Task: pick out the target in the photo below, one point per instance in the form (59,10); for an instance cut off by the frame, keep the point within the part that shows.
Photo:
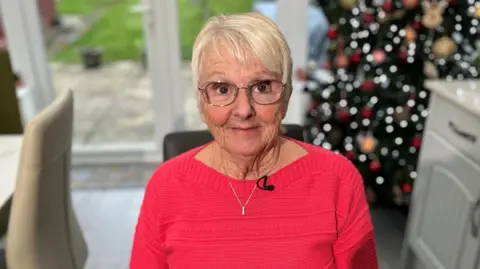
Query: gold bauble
(348,4)
(444,47)
(476,13)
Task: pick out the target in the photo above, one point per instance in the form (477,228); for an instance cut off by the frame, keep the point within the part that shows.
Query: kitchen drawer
(456,125)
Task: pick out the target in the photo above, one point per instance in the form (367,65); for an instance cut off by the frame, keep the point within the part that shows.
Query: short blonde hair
(250,33)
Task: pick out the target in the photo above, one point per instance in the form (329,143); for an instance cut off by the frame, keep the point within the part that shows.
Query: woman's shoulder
(324,159)
(324,164)
(177,167)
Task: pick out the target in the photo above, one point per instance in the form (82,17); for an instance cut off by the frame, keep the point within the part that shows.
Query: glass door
(120,58)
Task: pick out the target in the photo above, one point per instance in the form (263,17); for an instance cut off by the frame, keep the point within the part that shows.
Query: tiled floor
(108,219)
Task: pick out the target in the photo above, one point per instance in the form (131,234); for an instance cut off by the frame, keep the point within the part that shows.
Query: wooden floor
(108,219)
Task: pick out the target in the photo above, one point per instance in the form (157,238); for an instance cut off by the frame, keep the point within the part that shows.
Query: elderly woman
(251,198)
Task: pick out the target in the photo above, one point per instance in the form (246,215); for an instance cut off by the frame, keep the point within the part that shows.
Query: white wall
(292,20)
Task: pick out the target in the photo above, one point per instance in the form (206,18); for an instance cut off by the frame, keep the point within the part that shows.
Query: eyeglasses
(263,92)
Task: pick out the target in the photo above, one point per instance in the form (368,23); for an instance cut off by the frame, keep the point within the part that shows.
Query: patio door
(120,57)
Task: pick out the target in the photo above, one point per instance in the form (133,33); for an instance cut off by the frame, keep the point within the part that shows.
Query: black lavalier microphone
(265,187)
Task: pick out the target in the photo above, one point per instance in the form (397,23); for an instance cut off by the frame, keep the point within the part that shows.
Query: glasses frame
(248,91)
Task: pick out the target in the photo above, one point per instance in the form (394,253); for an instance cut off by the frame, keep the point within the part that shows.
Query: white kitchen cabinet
(444,224)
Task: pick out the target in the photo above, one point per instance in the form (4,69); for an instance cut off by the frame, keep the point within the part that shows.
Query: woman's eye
(222,90)
(262,87)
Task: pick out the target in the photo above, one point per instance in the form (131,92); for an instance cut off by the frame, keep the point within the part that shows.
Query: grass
(120,34)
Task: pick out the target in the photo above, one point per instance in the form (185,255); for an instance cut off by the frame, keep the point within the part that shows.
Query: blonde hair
(250,33)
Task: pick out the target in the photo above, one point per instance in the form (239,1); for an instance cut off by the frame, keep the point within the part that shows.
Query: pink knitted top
(317,217)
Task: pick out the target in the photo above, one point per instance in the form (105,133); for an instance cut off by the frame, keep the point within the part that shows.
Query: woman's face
(243,127)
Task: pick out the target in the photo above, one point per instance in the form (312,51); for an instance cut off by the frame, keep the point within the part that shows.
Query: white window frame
(25,41)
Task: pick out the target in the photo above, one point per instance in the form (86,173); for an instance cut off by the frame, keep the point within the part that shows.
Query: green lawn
(119,32)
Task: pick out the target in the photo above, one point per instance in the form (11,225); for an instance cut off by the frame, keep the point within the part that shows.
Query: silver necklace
(238,199)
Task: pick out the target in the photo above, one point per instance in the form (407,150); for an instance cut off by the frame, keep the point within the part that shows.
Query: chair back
(43,232)
(177,143)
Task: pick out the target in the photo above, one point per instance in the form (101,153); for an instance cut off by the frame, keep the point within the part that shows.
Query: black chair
(177,143)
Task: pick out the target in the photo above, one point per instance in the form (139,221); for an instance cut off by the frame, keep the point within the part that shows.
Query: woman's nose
(243,106)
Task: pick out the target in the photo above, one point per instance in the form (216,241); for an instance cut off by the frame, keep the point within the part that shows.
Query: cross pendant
(243,211)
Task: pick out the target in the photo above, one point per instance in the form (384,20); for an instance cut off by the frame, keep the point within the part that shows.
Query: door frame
(21,24)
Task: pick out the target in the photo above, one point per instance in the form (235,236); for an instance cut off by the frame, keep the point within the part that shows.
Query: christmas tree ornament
(371,104)
(402,55)
(444,47)
(368,18)
(378,56)
(332,32)
(388,6)
(416,142)
(367,142)
(341,60)
(356,57)
(367,86)
(430,70)
(476,12)
(433,13)
(342,114)
(406,188)
(410,34)
(410,4)
(366,113)
(374,166)
(348,4)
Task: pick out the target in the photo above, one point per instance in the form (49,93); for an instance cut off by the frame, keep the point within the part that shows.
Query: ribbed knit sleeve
(355,246)
(147,252)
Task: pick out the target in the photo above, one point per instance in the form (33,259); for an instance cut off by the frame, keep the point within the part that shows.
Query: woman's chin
(244,148)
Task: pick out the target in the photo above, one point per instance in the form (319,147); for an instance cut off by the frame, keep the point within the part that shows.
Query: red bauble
(388,6)
(366,113)
(368,18)
(367,86)
(402,56)
(343,115)
(350,155)
(374,166)
(416,142)
(356,57)
(332,33)
(406,188)
(416,25)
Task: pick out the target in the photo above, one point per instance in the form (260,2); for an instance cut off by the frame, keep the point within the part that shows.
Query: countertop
(465,93)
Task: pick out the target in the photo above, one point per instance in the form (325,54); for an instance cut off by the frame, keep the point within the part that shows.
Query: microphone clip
(265,187)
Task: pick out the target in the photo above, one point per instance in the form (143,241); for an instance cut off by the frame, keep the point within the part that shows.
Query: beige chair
(43,232)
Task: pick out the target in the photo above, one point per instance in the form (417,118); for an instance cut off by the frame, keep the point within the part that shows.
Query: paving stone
(113,104)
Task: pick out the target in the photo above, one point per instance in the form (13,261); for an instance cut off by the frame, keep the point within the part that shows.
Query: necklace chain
(238,199)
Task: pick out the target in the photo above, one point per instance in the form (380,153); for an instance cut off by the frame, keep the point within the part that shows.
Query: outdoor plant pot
(91,57)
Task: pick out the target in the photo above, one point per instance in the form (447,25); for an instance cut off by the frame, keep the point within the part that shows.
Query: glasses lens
(266,92)
(219,93)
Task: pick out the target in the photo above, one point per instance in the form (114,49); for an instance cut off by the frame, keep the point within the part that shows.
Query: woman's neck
(249,167)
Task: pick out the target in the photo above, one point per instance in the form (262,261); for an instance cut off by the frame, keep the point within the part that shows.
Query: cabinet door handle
(473,218)
(465,135)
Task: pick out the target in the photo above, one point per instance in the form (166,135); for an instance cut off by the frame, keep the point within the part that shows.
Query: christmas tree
(369,102)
